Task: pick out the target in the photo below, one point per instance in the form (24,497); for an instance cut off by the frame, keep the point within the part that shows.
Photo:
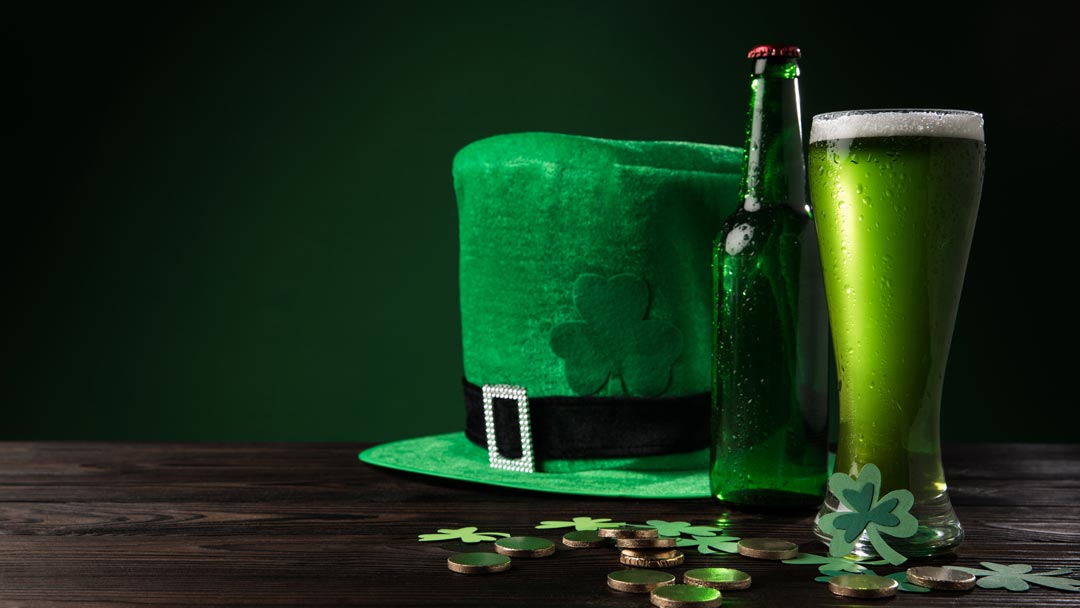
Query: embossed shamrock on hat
(586,316)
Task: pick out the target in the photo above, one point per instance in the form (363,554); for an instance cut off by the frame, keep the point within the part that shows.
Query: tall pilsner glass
(895,196)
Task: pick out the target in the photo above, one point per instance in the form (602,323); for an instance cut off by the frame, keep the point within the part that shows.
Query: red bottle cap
(774,50)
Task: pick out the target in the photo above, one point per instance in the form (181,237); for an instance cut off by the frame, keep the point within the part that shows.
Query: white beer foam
(886,123)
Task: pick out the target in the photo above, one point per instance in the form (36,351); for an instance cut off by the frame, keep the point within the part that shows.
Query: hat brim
(454,457)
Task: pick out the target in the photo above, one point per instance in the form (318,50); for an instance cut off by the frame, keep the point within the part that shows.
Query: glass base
(939,529)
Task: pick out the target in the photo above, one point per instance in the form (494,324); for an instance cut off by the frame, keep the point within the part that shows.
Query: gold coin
(645,543)
(628,532)
(685,596)
(477,563)
(943,579)
(863,585)
(585,538)
(768,548)
(651,553)
(638,581)
(724,579)
(648,562)
(524,546)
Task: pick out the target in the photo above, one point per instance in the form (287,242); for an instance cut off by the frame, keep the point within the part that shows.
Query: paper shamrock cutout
(899,577)
(678,528)
(467,535)
(580,523)
(889,514)
(614,339)
(711,544)
(833,564)
(1015,577)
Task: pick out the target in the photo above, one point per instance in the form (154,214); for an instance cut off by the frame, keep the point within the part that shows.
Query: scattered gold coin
(724,579)
(768,548)
(651,553)
(685,596)
(478,563)
(628,532)
(863,585)
(524,546)
(944,579)
(649,562)
(638,581)
(645,543)
(585,538)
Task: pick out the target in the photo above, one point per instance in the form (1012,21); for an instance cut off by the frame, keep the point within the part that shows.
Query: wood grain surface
(167,524)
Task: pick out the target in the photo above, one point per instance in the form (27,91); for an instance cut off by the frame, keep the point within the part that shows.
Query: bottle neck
(774,167)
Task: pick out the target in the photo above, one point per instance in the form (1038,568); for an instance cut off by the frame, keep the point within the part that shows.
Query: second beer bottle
(770,345)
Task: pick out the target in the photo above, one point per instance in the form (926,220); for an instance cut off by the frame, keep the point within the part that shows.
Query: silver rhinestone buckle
(525,464)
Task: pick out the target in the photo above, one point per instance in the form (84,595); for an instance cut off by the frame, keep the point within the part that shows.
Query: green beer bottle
(770,344)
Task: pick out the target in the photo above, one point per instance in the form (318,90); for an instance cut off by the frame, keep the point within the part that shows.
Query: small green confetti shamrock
(711,544)
(467,535)
(580,523)
(678,528)
(832,564)
(899,577)
(889,514)
(1015,577)
(614,344)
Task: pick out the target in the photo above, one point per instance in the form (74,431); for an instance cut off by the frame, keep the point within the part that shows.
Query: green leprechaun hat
(586,316)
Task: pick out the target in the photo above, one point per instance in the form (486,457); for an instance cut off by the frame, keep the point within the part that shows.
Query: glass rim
(941,111)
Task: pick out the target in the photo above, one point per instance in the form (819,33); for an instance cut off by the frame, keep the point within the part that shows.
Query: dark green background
(237,222)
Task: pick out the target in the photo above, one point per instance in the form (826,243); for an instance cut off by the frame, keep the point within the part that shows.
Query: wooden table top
(275,524)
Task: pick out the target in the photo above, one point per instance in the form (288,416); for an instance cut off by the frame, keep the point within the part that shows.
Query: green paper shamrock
(678,528)
(580,523)
(1015,577)
(899,577)
(827,574)
(833,564)
(615,339)
(711,544)
(889,514)
(467,535)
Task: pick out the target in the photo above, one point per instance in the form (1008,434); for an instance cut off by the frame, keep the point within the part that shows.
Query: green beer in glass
(895,195)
